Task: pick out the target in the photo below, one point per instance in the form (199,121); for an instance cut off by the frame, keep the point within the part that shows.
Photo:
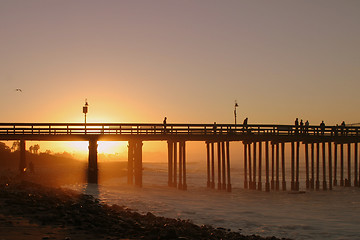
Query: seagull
(18,90)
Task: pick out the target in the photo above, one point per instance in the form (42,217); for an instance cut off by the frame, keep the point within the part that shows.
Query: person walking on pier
(245,124)
(164,123)
(296,125)
(342,127)
(214,128)
(306,127)
(322,127)
(301,126)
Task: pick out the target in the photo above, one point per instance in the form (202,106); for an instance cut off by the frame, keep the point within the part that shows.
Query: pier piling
(22,163)
(267,183)
(260,165)
(283,166)
(93,162)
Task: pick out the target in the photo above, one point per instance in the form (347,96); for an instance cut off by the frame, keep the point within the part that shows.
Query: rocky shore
(65,214)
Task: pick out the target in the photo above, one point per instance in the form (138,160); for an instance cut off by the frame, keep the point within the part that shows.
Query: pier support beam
(277,182)
(254,167)
(312,180)
(335,163)
(22,162)
(297,183)
(208,164)
(272,166)
(130,167)
(223,161)
(93,162)
(267,183)
(348,181)
(228,185)
(341,164)
(182,166)
(180,183)
(212,184)
(292,166)
(283,166)
(170,162)
(307,165)
(245,167)
(250,174)
(138,164)
(330,166)
(324,166)
(356,180)
(219,164)
(317,183)
(174,184)
(260,165)
(135,163)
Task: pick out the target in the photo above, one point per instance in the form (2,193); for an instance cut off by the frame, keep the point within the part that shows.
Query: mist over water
(312,215)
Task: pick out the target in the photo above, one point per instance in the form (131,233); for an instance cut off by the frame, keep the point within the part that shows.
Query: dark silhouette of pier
(264,148)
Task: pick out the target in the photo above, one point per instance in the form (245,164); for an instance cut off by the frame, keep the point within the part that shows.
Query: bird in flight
(18,90)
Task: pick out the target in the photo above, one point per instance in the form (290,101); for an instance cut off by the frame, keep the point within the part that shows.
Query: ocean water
(310,215)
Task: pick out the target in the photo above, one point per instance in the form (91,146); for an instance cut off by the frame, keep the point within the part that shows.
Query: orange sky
(138,61)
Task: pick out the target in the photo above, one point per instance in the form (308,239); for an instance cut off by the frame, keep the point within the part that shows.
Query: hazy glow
(103,147)
(138,61)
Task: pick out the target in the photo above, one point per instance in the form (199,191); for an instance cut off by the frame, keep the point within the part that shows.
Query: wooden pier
(264,148)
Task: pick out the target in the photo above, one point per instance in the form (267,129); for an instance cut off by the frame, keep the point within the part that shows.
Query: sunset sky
(138,61)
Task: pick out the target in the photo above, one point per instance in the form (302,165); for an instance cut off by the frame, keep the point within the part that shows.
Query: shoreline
(33,211)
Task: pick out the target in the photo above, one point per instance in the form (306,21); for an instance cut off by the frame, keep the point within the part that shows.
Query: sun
(104,147)
(112,147)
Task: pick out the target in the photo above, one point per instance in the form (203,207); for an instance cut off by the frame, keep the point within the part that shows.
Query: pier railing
(173,129)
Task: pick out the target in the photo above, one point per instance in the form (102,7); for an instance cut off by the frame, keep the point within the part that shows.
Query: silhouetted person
(164,122)
(214,128)
(296,125)
(306,127)
(301,126)
(245,123)
(322,127)
(335,129)
(342,127)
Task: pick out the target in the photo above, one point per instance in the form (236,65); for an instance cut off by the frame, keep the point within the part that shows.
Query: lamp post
(85,111)
(235,106)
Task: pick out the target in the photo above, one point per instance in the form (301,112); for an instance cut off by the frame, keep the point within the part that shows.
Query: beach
(33,211)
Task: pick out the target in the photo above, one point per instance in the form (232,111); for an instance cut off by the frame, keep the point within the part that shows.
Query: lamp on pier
(235,106)
(85,111)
